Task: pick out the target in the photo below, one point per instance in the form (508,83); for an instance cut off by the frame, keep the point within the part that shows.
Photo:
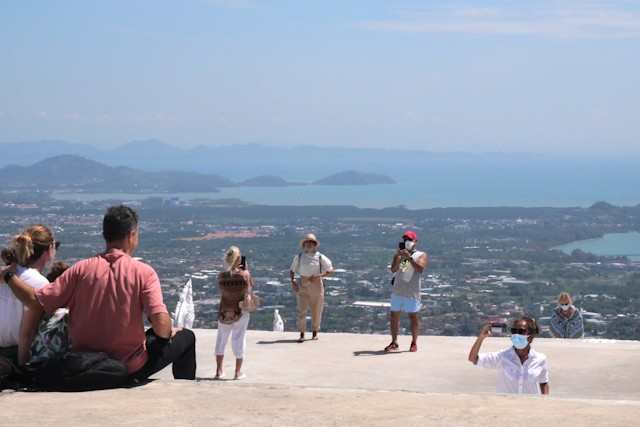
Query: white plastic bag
(278,323)
(185,312)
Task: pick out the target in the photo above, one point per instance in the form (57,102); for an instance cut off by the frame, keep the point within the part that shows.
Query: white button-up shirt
(516,377)
(308,265)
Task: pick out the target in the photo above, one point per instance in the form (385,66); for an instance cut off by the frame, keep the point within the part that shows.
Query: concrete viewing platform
(345,379)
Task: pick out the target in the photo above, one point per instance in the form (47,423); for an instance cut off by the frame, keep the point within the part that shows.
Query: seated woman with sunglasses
(521,370)
(32,250)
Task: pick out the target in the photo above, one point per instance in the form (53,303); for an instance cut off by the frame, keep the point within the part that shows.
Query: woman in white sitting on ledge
(521,370)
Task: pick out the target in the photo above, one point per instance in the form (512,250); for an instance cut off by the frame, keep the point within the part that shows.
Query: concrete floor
(344,379)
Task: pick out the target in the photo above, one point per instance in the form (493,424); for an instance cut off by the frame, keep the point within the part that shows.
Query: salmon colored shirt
(107,297)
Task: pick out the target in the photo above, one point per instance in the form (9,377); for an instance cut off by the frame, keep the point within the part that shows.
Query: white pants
(238,332)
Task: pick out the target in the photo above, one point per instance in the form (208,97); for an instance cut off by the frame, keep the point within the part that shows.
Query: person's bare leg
(415,327)
(238,368)
(219,360)
(394,326)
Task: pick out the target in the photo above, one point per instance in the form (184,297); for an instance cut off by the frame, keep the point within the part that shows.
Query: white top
(11,308)
(309,265)
(514,376)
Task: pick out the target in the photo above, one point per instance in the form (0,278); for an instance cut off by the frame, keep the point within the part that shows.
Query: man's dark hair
(532,325)
(118,222)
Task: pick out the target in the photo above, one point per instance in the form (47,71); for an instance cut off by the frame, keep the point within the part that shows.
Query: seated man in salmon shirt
(107,296)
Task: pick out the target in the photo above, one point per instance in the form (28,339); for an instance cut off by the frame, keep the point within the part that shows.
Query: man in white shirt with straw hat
(311,266)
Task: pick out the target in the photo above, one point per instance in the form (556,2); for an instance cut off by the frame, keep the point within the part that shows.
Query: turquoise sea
(615,244)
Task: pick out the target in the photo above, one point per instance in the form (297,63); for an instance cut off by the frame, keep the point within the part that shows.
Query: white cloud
(555,19)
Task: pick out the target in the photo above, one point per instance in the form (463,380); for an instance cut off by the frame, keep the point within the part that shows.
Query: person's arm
(154,307)
(395,264)
(554,328)
(543,379)
(577,326)
(292,273)
(23,292)
(327,266)
(161,325)
(475,349)
(421,264)
(28,329)
(544,388)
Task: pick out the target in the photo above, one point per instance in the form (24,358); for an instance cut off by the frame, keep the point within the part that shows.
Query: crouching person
(107,296)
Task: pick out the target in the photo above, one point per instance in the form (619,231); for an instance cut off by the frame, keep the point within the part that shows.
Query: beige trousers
(310,296)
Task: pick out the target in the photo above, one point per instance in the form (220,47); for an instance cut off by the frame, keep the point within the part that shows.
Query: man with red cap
(407,266)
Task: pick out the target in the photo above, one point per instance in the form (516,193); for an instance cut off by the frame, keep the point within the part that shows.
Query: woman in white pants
(234,283)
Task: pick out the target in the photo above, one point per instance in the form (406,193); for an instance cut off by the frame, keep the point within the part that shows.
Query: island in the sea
(355,178)
(76,173)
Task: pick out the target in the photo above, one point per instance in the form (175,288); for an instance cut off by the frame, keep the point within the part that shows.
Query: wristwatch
(7,276)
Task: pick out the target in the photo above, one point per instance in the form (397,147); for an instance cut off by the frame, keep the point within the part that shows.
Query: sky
(502,75)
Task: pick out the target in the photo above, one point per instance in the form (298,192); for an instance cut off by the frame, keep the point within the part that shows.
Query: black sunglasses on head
(518,331)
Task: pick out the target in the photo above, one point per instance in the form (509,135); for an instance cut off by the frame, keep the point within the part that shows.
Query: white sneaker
(240,376)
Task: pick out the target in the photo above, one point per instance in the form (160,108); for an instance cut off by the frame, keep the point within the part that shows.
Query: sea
(418,194)
(614,244)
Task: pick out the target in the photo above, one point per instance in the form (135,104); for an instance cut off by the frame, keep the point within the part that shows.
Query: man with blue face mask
(521,370)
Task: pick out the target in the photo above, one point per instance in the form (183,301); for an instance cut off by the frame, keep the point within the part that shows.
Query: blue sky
(535,76)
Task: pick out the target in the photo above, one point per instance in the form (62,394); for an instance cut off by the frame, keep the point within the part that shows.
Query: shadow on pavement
(376,352)
(294,341)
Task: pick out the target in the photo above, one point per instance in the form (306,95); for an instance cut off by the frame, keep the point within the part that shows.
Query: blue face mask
(519,341)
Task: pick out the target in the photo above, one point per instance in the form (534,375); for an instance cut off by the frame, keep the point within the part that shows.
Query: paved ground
(344,379)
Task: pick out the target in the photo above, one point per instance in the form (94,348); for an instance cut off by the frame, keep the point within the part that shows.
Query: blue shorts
(406,304)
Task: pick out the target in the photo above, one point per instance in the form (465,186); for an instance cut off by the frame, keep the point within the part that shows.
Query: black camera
(243,263)
(402,246)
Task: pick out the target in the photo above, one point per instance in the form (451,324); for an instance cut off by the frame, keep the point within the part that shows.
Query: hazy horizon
(549,76)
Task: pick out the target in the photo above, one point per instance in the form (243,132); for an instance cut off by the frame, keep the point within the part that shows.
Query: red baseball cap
(411,235)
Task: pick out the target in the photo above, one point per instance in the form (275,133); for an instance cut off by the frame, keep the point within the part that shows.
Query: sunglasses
(56,244)
(518,331)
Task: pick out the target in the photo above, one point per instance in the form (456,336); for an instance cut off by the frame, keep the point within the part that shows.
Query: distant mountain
(603,206)
(79,174)
(355,178)
(570,179)
(266,181)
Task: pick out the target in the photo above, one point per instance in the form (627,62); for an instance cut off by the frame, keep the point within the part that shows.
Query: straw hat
(310,237)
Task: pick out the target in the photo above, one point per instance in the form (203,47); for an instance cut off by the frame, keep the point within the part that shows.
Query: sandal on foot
(414,347)
(391,348)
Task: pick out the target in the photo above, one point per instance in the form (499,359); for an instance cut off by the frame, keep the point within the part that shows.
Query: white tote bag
(185,312)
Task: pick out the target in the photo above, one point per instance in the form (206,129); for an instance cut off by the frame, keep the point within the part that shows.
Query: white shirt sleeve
(295,264)
(489,360)
(544,374)
(327,266)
